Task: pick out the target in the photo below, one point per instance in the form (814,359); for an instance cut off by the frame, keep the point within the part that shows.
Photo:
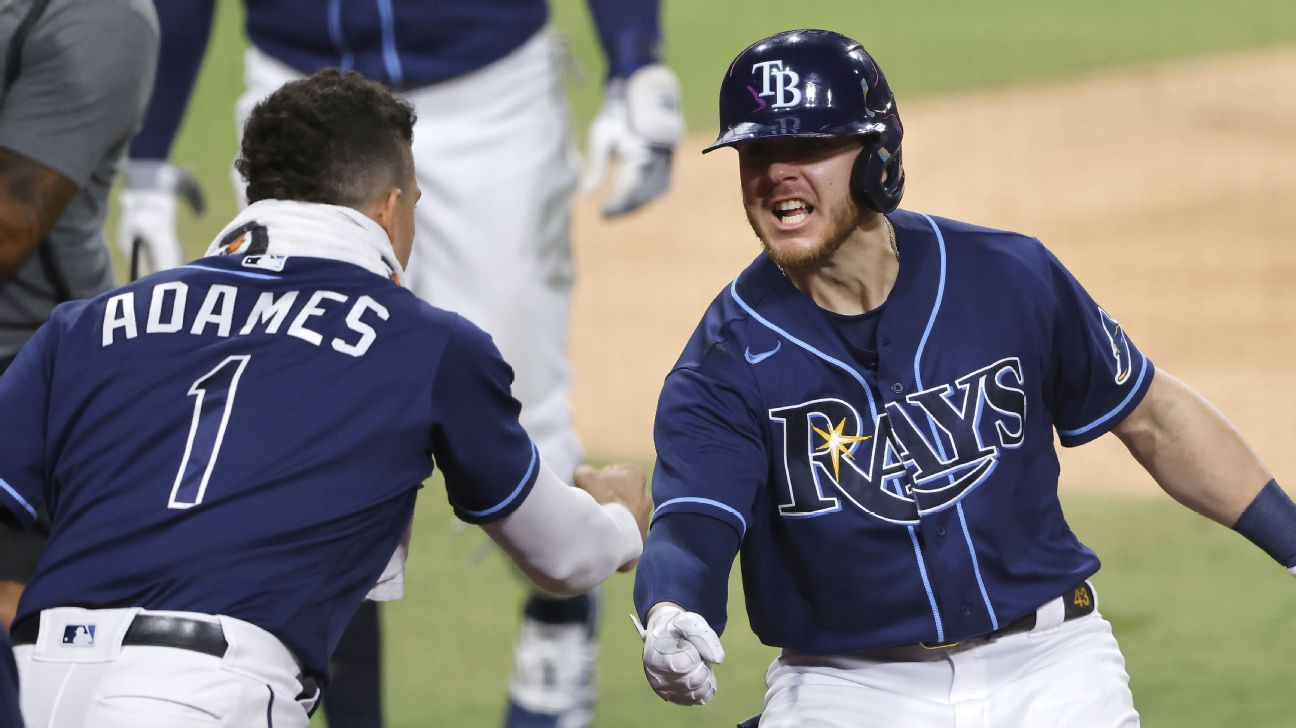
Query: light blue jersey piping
(391,58)
(516,491)
(940,447)
(347,62)
(21,501)
(242,274)
(1098,422)
(709,502)
(922,565)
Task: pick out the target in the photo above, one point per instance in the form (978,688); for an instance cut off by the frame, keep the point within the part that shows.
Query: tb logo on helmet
(784,90)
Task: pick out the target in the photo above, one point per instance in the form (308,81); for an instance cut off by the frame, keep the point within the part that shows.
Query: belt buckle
(938,645)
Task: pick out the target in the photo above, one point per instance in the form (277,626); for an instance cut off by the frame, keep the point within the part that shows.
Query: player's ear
(383,212)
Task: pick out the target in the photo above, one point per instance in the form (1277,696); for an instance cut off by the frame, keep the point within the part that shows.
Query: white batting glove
(639,125)
(679,650)
(146,234)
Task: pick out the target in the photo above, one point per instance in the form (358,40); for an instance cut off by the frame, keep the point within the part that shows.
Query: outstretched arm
(568,540)
(1197,457)
(1192,452)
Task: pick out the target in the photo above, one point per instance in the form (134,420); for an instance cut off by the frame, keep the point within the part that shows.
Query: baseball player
(75,80)
(867,413)
(230,450)
(496,152)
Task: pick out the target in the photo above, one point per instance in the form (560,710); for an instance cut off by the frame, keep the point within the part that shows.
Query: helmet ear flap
(866,183)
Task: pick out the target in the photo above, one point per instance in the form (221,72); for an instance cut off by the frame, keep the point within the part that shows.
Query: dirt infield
(1170,192)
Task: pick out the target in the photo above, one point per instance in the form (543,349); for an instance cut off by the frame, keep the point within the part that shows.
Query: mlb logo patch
(79,635)
(265,262)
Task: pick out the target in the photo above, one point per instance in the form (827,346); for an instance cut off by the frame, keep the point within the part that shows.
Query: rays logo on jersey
(919,456)
(1120,347)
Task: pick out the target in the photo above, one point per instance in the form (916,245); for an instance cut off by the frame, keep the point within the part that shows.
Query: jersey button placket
(897,387)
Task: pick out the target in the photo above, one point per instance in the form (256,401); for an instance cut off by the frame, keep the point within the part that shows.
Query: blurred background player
(868,412)
(76,78)
(500,166)
(231,449)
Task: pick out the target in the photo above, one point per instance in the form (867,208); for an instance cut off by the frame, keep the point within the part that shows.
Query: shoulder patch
(1120,348)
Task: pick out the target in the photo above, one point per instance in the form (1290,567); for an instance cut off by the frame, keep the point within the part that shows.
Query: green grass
(1207,624)
(925,46)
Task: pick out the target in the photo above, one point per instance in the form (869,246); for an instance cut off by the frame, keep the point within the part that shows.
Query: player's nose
(781,170)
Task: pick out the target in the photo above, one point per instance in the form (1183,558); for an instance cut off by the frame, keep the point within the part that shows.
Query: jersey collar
(311,230)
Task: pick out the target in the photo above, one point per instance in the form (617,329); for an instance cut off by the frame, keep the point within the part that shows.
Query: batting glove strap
(679,650)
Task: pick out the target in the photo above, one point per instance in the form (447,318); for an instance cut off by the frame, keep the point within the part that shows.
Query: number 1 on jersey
(214,398)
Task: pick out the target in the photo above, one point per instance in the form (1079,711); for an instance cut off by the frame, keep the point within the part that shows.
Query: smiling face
(797,195)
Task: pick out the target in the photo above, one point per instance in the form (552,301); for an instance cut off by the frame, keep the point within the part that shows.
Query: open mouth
(792,212)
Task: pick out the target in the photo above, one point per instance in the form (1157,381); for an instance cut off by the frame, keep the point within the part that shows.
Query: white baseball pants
(495,159)
(1058,675)
(93,681)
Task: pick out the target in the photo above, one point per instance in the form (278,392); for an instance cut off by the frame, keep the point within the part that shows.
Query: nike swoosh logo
(758,358)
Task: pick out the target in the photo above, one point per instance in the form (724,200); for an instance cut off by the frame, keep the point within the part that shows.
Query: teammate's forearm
(32,198)
(185,27)
(563,540)
(686,561)
(630,32)
(1193,452)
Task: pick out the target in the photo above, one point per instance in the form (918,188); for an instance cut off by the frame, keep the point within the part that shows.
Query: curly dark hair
(334,137)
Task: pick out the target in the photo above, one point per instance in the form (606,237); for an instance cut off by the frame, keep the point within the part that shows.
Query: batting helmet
(817,83)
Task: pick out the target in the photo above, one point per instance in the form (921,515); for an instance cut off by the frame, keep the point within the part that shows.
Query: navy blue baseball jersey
(245,435)
(894,496)
(10,717)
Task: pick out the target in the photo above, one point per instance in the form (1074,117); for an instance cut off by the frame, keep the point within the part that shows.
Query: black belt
(150,630)
(156,630)
(1077,602)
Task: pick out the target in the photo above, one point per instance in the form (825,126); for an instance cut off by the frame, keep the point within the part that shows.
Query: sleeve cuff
(705,507)
(1107,422)
(510,503)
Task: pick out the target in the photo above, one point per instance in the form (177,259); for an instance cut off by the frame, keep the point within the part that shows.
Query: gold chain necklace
(891,234)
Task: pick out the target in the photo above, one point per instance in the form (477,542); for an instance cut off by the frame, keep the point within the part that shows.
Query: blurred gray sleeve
(87,70)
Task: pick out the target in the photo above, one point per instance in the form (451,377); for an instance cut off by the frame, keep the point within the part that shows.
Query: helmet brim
(748,132)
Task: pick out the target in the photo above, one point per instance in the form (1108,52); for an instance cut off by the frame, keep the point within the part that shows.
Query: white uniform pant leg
(496,163)
(262,76)
(1071,676)
(495,159)
(108,685)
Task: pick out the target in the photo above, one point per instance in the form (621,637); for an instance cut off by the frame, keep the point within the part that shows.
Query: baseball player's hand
(679,650)
(639,125)
(619,483)
(146,234)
